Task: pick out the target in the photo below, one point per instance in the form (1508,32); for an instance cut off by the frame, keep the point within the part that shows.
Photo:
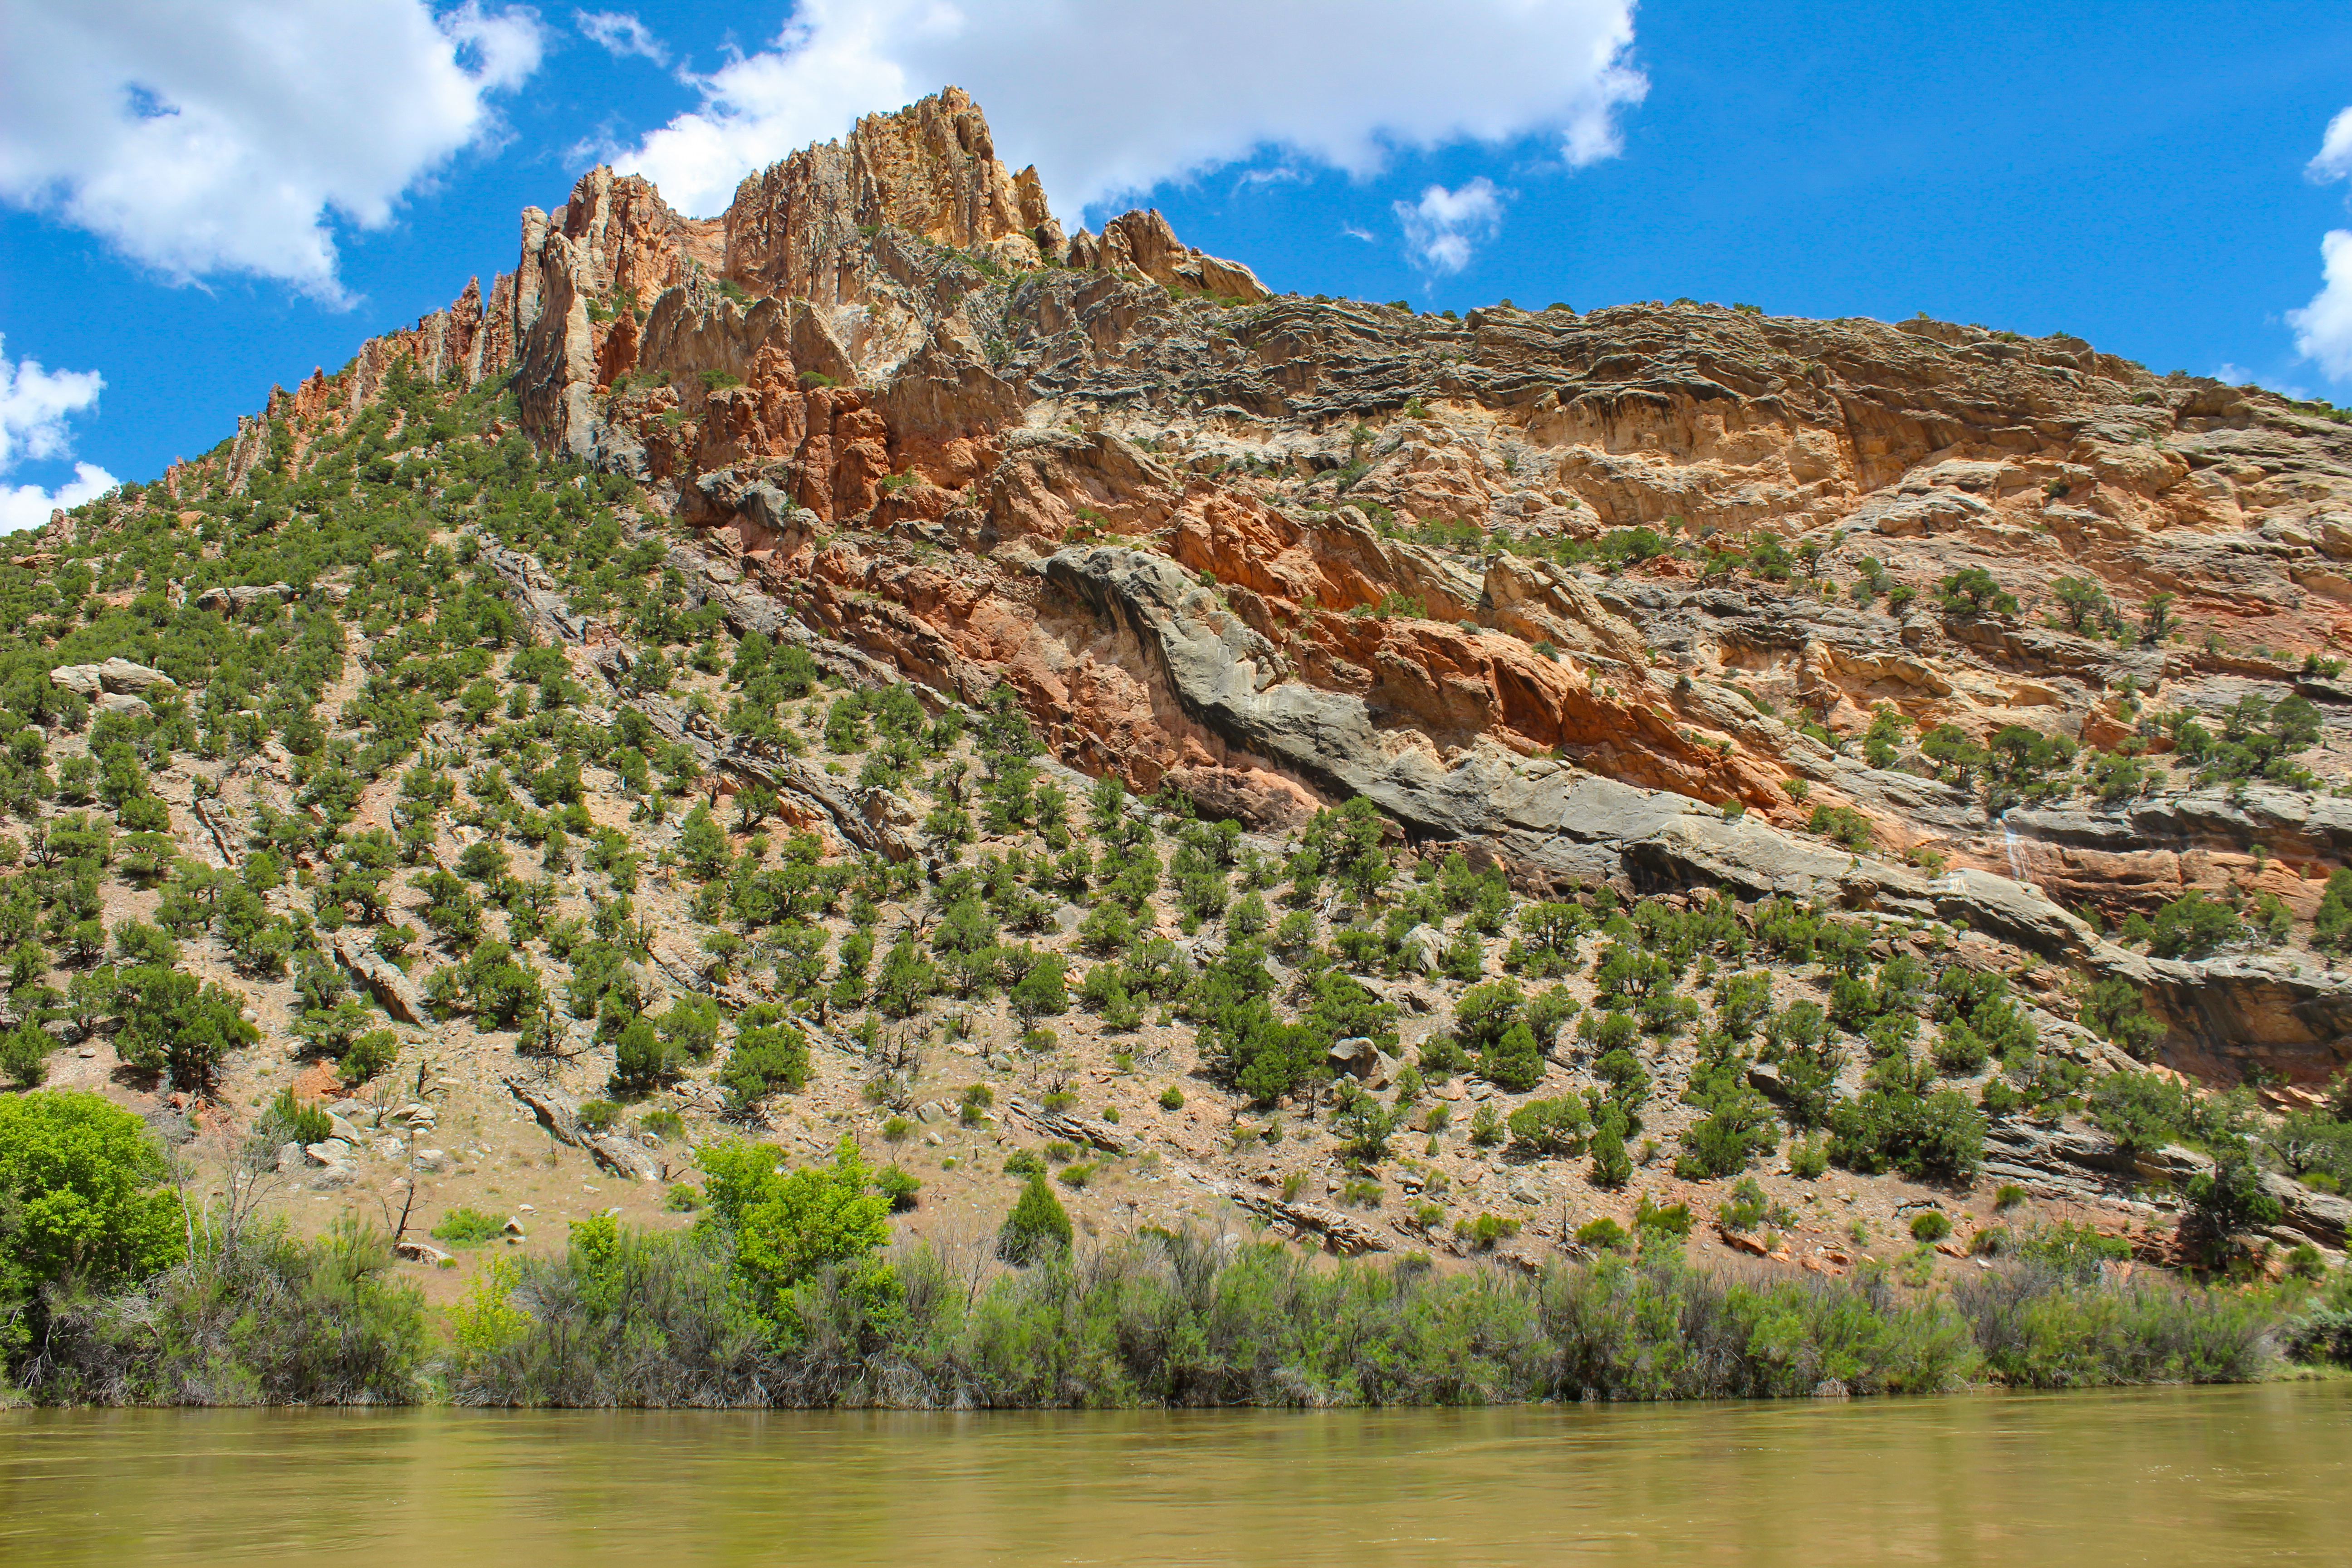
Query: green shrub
(1845,825)
(289,1119)
(1935,1137)
(1605,1234)
(2193,926)
(1612,1167)
(367,1055)
(1930,1225)
(766,1059)
(1484,1231)
(683,1197)
(1653,1221)
(1808,1159)
(83,1195)
(1171,1098)
(1025,1162)
(25,1055)
(790,1226)
(1550,1127)
(598,1115)
(468,1227)
(173,1023)
(898,1187)
(1743,1208)
(1037,1225)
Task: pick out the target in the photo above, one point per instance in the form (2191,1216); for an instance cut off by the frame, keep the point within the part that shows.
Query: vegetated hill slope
(870,664)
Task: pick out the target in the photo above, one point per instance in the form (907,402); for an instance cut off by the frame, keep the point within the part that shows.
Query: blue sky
(2140,176)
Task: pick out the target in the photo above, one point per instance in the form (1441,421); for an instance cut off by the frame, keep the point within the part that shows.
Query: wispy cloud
(1445,229)
(620,34)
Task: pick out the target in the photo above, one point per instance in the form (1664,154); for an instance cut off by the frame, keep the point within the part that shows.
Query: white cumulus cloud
(1110,100)
(34,406)
(29,506)
(2335,157)
(620,34)
(1445,226)
(221,137)
(2323,329)
(33,403)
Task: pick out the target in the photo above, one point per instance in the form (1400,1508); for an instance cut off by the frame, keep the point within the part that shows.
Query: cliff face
(1627,593)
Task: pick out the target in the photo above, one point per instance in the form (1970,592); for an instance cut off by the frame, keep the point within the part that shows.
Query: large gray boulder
(115,675)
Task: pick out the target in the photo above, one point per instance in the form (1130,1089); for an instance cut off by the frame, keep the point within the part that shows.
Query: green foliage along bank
(786,1292)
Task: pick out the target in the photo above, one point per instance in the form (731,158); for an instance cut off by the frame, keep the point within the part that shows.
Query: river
(2201,1476)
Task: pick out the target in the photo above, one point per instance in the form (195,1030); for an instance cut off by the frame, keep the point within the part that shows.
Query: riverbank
(629,1319)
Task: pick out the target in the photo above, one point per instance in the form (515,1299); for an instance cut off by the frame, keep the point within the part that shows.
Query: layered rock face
(1273,551)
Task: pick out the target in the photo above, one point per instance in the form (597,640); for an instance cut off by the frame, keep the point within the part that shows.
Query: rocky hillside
(874,663)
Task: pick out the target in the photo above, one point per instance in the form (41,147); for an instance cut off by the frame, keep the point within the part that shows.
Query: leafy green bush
(81,1197)
(173,1023)
(1845,825)
(788,1226)
(1484,1231)
(2193,926)
(1744,1207)
(899,1187)
(291,1120)
(1605,1234)
(1037,1225)
(468,1227)
(25,1054)
(1552,1127)
(1930,1225)
(1653,1221)
(598,1115)
(1934,1137)
(766,1059)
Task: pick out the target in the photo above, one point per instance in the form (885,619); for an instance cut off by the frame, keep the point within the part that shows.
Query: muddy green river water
(2198,1477)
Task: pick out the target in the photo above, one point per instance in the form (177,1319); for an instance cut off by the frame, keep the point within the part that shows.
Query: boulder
(331,1151)
(119,675)
(385,980)
(1355,1055)
(1421,950)
(409,1250)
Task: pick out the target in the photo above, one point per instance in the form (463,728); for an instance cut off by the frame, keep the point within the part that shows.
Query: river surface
(2201,1476)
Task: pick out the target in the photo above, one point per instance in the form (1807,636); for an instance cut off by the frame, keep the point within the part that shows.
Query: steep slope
(1506,645)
